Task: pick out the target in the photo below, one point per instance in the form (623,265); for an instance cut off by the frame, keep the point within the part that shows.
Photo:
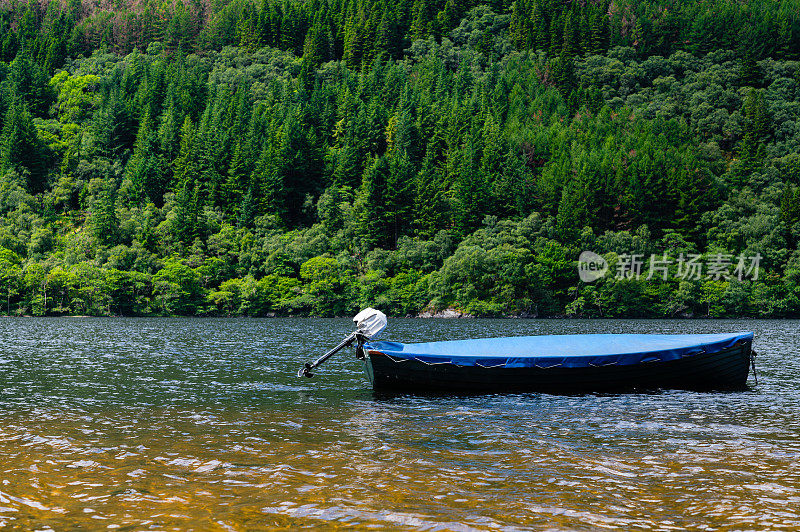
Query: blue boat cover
(571,351)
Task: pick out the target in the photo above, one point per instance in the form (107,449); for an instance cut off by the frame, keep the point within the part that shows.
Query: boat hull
(726,369)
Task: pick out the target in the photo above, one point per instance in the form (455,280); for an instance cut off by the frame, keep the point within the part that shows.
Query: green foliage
(285,157)
(328,288)
(176,288)
(10,276)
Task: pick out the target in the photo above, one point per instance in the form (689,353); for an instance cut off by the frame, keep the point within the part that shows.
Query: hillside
(311,158)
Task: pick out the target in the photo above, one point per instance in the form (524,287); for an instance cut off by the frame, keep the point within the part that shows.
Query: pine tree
(451,15)
(512,191)
(248,209)
(246,27)
(572,210)
(295,173)
(790,208)
(30,83)
(375,221)
(749,73)
(266,193)
(169,129)
(238,173)
(113,129)
(209,144)
(21,149)
(146,172)
(353,41)
(104,221)
(422,23)
(318,46)
(756,129)
(155,90)
(348,170)
(399,195)
(599,32)
(493,150)
(185,165)
(471,192)
(431,210)
(563,68)
(539,32)
(187,224)
(555,30)
(572,33)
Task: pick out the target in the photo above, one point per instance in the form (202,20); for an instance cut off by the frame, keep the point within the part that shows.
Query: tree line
(358,31)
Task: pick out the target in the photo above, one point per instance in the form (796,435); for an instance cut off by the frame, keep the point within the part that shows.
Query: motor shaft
(305,371)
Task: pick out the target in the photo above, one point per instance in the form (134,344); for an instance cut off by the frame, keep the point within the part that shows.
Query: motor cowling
(370,322)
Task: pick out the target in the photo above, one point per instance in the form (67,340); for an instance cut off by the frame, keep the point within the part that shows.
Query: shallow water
(160,424)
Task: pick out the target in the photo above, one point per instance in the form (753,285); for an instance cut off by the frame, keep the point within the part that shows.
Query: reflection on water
(138,424)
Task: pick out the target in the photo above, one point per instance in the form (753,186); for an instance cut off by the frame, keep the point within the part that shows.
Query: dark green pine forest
(310,157)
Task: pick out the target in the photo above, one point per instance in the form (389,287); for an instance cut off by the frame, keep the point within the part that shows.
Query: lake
(173,424)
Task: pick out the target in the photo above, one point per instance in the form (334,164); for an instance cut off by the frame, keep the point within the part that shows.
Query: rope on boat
(753,355)
(398,360)
(612,363)
(500,365)
(550,366)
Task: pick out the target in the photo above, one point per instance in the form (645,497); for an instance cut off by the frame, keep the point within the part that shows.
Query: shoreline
(422,316)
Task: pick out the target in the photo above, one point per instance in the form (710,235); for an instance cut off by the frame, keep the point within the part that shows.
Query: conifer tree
(30,83)
(146,172)
(756,129)
(347,171)
(319,46)
(187,224)
(237,179)
(400,195)
(470,192)
(104,221)
(375,221)
(169,129)
(422,23)
(790,208)
(431,210)
(21,149)
(246,27)
(113,130)
(354,39)
(599,30)
(185,165)
(572,33)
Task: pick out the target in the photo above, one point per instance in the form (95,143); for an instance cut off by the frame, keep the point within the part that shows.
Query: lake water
(162,424)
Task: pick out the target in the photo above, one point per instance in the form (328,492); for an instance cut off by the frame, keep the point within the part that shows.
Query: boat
(564,363)
(575,363)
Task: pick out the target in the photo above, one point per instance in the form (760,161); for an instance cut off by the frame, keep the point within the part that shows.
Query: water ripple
(154,424)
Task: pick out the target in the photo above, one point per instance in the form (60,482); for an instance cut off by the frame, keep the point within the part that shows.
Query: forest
(313,157)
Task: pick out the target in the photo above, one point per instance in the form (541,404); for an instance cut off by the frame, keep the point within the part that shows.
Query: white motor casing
(370,322)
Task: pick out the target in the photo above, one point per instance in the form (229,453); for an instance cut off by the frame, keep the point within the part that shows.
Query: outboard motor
(369,323)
